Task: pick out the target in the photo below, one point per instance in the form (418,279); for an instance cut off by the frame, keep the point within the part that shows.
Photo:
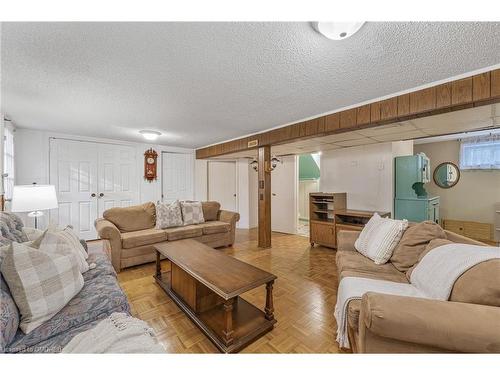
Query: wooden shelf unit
(354,219)
(322,208)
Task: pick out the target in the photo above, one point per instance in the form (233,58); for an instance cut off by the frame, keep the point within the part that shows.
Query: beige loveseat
(131,232)
(381,323)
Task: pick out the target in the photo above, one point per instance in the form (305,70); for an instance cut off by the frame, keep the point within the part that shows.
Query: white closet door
(284,184)
(177,176)
(73,170)
(117,180)
(222,184)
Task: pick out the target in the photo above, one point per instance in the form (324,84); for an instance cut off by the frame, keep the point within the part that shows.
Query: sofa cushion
(210,210)
(351,263)
(128,219)
(413,243)
(143,237)
(479,284)
(87,306)
(180,233)
(214,227)
(9,316)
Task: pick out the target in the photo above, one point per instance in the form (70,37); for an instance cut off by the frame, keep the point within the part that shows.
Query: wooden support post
(264,196)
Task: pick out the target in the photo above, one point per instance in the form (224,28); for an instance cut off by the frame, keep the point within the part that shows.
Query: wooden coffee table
(206,284)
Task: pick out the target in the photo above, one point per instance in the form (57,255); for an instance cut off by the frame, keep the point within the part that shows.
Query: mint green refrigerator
(411,200)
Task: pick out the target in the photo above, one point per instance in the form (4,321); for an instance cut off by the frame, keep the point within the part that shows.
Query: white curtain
(480,152)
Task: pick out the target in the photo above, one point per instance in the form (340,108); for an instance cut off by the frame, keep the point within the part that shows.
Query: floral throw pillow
(168,215)
(192,213)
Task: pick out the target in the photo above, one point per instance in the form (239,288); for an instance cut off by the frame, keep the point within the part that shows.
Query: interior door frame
(236,177)
(162,177)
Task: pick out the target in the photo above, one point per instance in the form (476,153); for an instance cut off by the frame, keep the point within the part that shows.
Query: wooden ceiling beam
(474,91)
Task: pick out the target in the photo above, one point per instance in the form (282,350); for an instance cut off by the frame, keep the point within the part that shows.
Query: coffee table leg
(228,322)
(158,265)
(269,301)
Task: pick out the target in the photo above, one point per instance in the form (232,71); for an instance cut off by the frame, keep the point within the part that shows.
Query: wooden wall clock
(150,163)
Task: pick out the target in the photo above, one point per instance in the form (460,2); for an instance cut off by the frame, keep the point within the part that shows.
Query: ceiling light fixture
(150,135)
(337,30)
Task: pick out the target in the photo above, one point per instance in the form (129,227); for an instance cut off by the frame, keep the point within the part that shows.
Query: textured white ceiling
(201,83)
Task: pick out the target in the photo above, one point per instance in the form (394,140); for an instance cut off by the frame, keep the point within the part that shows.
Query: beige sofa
(131,232)
(380,323)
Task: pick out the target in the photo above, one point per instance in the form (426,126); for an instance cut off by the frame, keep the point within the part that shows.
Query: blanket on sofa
(118,333)
(433,278)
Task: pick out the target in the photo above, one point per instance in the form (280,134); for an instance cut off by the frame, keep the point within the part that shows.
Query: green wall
(308,169)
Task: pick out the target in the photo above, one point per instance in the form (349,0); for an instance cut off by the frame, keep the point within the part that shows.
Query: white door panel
(177,176)
(73,170)
(284,196)
(222,184)
(117,180)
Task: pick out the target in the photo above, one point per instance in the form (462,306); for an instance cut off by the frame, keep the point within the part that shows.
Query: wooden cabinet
(322,234)
(322,208)
(477,231)
(353,220)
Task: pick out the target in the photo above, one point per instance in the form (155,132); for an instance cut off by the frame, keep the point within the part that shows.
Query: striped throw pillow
(381,238)
(41,282)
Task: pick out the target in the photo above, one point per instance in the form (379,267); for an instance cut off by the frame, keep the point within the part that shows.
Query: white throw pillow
(192,213)
(41,282)
(168,215)
(380,238)
(361,243)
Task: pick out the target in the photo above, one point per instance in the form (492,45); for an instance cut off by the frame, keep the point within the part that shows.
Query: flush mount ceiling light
(337,30)
(150,135)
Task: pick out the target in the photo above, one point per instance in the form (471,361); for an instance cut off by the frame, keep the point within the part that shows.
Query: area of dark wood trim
(478,90)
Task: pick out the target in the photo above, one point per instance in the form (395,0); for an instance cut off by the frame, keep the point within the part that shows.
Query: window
(480,153)
(8,162)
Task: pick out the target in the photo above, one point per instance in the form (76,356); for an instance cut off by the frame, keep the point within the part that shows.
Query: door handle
(274,194)
(234,195)
(101,195)
(92,195)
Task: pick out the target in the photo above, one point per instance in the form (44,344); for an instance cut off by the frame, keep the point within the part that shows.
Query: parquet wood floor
(304,298)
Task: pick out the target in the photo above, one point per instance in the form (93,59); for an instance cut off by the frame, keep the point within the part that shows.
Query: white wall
(365,173)
(201,179)
(32,159)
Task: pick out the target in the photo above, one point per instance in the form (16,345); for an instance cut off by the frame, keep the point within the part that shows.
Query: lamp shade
(33,198)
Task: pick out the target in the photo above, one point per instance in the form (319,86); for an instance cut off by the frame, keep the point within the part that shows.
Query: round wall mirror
(446,175)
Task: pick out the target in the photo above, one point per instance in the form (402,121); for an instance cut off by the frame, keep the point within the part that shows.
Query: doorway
(222,184)
(309,177)
(89,178)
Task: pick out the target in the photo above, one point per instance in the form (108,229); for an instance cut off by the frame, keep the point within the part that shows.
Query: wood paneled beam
(264,196)
(474,91)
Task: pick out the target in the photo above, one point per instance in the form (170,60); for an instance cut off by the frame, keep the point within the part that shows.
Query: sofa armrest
(229,217)
(346,239)
(450,326)
(108,231)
